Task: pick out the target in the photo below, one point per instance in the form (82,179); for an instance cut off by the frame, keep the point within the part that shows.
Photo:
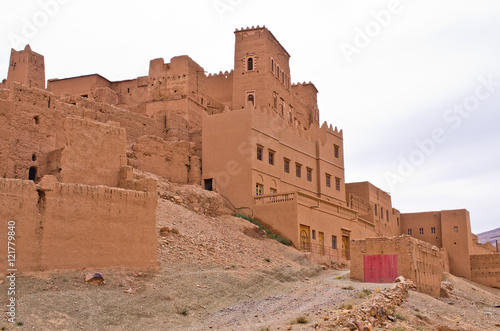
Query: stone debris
(377,311)
(95,278)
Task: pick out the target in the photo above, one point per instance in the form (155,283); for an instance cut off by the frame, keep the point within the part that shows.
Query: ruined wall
(74,226)
(485,269)
(174,161)
(416,260)
(93,153)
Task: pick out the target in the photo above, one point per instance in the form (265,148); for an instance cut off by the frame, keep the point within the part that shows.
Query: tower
(26,67)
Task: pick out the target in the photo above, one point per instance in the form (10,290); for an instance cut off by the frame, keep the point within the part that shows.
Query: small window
(251,99)
(36,119)
(258,189)
(328,180)
(272,65)
(387,214)
(433,230)
(309,174)
(334,242)
(271,157)
(314,234)
(337,184)
(409,232)
(278,71)
(298,170)
(259,153)
(397,220)
(282,77)
(32,173)
(282,106)
(421,230)
(208,184)
(336,151)
(273,190)
(382,212)
(455,228)
(376,211)
(275,101)
(33,157)
(286,164)
(250,64)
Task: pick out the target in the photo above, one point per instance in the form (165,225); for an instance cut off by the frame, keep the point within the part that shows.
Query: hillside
(220,272)
(489,236)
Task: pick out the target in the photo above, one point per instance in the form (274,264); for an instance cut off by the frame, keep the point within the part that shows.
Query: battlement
(224,74)
(250,29)
(304,84)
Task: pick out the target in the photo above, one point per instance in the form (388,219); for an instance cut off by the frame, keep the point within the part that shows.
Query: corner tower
(26,67)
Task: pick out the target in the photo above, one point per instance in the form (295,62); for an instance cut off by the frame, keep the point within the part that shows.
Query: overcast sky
(415,85)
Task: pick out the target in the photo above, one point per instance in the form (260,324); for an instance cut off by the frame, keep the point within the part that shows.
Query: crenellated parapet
(250,28)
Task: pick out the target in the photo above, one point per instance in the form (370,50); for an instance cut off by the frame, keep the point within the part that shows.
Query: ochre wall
(174,161)
(74,226)
(485,269)
(417,260)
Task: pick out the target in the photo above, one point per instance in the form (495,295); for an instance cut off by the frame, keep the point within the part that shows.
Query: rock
(351,326)
(368,327)
(373,311)
(400,279)
(391,318)
(95,278)
(359,325)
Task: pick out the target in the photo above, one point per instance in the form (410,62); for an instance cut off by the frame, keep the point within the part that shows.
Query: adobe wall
(220,87)
(425,221)
(416,260)
(82,85)
(485,269)
(26,67)
(457,243)
(93,153)
(74,226)
(174,161)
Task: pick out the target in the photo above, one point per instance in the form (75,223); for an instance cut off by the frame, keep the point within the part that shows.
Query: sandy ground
(221,273)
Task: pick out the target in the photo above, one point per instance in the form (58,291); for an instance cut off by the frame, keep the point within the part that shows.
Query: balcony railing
(274,198)
(334,254)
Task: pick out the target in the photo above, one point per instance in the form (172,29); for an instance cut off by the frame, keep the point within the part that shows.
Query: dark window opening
(33,157)
(250,64)
(36,119)
(32,173)
(336,151)
(208,184)
(85,95)
(251,99)
(128,90)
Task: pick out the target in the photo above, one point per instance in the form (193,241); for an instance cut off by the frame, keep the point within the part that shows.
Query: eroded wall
(416,260)
(74,226)
(485,269)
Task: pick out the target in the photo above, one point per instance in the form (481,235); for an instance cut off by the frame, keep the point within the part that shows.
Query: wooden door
(305,238)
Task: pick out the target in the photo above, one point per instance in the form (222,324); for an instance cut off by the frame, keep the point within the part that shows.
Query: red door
(380,268)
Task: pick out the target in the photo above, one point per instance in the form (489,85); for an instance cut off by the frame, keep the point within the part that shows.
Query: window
(32,173)
(275,101)
(397,220)
(251,99)
(314,234)
(334,242)
(382,212)
(387,214)
(433,230)
(273,190)
(309,174)
(258,189)
(376,212)
(409,232)
(271,157)
(282,107)
(282,77)
(455,228)
(208,184)
(336,151)
(259,152)
(298,170)
(272,64)
(328,180)
(286,164)
(278,71)
(249,64)
(421,230)
(337,184)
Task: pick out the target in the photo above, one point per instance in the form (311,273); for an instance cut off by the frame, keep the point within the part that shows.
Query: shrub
(257,221)
(364,293)
(348,288)
(301,320)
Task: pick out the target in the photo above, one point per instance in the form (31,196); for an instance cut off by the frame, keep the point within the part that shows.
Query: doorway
(305,238)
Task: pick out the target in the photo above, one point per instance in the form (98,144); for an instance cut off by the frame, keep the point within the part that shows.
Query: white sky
(401,83)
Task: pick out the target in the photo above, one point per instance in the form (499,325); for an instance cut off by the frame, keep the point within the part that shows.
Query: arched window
(250,64)
(272,65)
(251,99)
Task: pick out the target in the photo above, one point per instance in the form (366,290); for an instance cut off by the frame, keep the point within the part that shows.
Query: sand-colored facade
(250,134)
